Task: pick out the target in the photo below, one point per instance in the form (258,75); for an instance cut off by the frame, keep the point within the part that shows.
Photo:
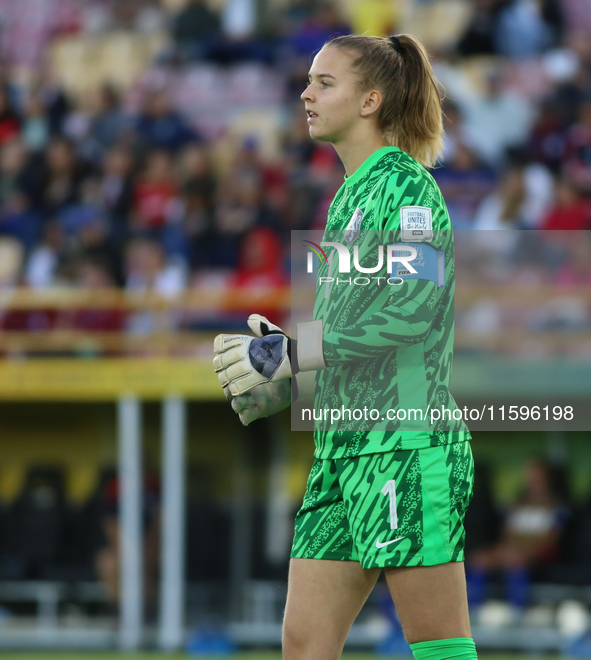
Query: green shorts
(399,508)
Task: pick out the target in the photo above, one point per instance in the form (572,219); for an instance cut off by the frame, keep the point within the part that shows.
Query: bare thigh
(323,599)
(431,601)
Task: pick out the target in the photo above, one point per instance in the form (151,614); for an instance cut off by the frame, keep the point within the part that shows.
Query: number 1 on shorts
(390,489)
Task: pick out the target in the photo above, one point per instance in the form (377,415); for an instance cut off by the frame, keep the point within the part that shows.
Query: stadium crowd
(140,188)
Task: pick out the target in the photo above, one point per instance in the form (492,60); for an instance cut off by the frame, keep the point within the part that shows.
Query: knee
(301,644)
(293,643)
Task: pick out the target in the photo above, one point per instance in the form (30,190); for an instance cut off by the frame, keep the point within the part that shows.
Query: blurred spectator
(237,210)
(148,270)
(108,558)
(9,121)
(569,95)
(54,181)
(260,266)
(238,19)
(155,192)
(498,216)
(295,13)
(196,173)
(54,98)
(453,126)
(260,261)
(195,28)
(525,191)
(548,136)
(36,125)
(17,218)
(504,209)
(577,159)
(530,534)
(238,205)
(523,29)
(539,187)
(75,217)
(89,233)
(11,265)
(42,264)
(109,122)
(571,210)
(160,126)
(92,274)
(483,519)
(480,35)
(117,189)
(13,157)
(312,33)
(198,187)
(497,120)
(464,182)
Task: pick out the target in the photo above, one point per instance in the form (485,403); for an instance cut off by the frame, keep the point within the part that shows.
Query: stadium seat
(438,24)
(82,63)
(11,259)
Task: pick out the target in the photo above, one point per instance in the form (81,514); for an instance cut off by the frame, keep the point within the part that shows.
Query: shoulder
(408,184)
(408,199)
(409,179)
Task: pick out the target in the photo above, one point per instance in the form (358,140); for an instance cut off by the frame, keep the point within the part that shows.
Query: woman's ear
(373,100)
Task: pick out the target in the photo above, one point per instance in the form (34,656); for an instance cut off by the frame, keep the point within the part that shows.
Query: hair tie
(395,42)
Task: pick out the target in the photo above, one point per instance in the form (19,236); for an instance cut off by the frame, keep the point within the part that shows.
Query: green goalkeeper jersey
(388,334)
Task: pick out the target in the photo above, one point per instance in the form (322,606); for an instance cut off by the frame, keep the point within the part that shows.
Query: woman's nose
(306,95)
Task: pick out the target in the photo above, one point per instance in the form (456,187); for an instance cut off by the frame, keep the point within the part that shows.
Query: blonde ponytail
(410,114)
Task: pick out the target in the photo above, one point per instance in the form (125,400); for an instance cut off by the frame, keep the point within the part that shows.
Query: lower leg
(432,605)
(431,601)
(323,599)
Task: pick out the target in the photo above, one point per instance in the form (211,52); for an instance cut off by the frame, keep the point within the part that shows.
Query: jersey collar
(367,164)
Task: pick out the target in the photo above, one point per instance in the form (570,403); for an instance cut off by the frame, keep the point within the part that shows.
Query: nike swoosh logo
(385,543)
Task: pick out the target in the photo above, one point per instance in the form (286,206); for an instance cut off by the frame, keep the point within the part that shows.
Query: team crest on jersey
(354,226)
(416,224)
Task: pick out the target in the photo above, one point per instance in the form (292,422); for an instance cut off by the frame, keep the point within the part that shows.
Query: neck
(355,150)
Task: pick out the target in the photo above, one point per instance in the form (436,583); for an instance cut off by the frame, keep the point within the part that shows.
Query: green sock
(460,648)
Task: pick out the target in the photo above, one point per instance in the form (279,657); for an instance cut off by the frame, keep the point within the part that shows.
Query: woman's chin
(317,134)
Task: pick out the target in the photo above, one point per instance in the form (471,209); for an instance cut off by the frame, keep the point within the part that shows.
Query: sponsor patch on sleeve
(416,224)
(354,226)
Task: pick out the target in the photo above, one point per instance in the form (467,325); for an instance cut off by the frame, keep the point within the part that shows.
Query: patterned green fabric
(347,513)
(386,347)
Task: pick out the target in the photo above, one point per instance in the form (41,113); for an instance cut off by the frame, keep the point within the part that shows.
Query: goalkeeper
(382,494)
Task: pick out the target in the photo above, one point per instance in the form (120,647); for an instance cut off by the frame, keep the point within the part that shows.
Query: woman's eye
(324,84)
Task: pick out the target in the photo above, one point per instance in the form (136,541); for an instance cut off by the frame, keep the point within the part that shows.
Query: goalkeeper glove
(243,362)
(263,400)
(269,398)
